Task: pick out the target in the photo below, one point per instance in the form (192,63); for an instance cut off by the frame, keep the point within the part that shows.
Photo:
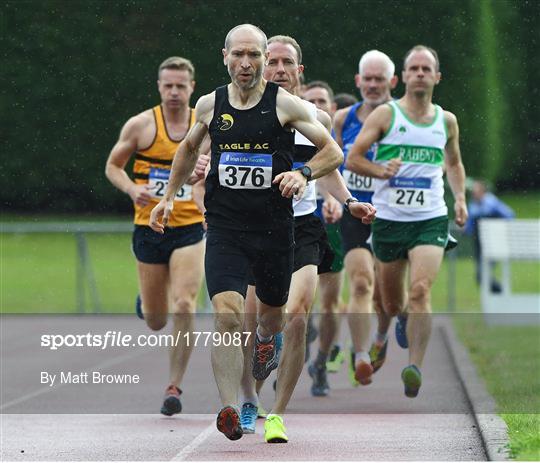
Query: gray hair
(379,56)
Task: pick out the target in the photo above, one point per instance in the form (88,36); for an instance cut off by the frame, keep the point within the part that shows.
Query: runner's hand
(200,166)
(391,168)
(364,211)
(140,194)
(291,183)
(162,211)
(460,210)
(332,210)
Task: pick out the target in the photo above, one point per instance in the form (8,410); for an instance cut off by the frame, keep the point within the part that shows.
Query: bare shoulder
(451,122)
(341,115)
(292,107)
(324,119)
(141,121)
(381,117)
(204,109)
(139,128)
(383,111)
(450,118)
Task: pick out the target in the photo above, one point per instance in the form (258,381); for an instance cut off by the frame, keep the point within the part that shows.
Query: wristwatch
(349,201)
(305,171)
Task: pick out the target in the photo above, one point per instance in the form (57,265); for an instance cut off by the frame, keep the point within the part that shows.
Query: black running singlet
(249,148)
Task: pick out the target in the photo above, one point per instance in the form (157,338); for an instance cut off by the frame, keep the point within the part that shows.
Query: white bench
(503,241)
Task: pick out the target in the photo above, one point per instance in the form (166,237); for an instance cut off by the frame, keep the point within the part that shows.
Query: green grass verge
(39,275)
(508,359)
(526,204)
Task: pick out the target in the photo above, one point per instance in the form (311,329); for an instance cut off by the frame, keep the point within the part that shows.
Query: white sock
(249,398)
(262,339)
(361,356)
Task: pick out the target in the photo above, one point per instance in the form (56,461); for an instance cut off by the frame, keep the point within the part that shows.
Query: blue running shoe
(138,307)
(401,331)
(320,387)
(248,417)
(279,348)
(279,344)
(412,380)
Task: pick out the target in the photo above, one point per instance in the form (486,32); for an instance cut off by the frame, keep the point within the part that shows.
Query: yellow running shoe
(336,360)
(274,430)
(377,354)
(352,368)
(261,412)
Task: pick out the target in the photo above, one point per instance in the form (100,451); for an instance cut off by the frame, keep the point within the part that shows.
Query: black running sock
(320,361)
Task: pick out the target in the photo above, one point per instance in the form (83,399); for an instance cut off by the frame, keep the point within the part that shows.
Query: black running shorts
(354,233)
(311,244)
(232,255)
(151,247)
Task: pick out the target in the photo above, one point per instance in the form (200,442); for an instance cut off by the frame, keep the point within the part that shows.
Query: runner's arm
(202,162)
(184,162)
(339,120)
(188,152)
(119,157)
(455,171)
(335,185)
(292,111)
(374,127)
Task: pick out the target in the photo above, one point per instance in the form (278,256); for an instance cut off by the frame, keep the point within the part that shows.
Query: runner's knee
(183,305)
(296,326)
(228,322)
(228,316)
(419,296)
(361,285)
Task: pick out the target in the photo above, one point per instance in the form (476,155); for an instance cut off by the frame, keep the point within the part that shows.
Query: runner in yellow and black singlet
(170,265)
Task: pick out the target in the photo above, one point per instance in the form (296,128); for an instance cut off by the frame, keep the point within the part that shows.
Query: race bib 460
(356,182)
(245,170)
(409,192)
(158,179)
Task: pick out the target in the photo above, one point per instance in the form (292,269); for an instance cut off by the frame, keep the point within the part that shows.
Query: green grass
(38,273)
(508,359)
(526,204)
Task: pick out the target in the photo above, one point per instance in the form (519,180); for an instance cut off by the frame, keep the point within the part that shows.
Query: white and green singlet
(417,191)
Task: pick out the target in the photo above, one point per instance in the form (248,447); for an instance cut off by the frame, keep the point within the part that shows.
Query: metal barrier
(504,241)
(84,273)
(85,278)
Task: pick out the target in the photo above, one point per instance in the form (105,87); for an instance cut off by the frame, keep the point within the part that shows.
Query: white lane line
(100,366)
(189,449)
